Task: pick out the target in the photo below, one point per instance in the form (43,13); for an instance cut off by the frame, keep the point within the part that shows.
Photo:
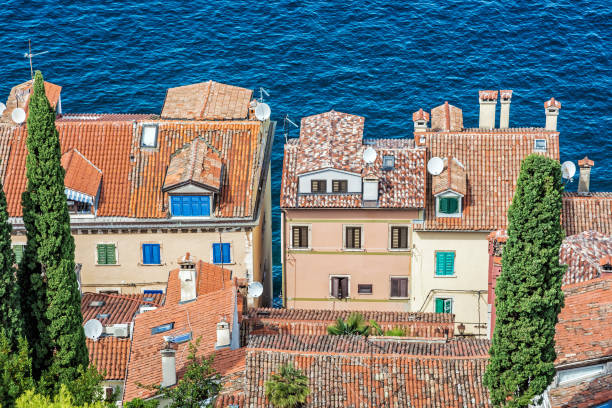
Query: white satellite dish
(262,111)
(568,169)
(18,115)
(93,329)
(369,155)
(2,108)
(435,165)
(255,289)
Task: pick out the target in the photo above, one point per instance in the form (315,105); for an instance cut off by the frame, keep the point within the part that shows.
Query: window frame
(537,148)
(447,195)
(210,205)
(309,232)
(319,182)
(348,286)
(161,260)
(156,330)
(436,252)
(359,285)
(149,125)
(408,237)
(388,157)
(116,254)
(447,298)
(361,239)
(341,183)
(231,253)
(407,278)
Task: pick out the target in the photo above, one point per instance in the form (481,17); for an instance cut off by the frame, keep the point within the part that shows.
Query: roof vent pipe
(168,357)
(505,97)
(488,103)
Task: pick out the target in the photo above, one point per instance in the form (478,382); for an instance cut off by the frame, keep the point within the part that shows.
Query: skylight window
(148,299)
(101,316)
(539,145)
(149,136)
(96,303)
(162,328)
(182,338)
(388,162)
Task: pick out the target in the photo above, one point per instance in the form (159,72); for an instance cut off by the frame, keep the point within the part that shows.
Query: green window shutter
(439,305)
(448,305)
(445,263)
(450,263)
(110,254)
(439,263)
(444,205)
(18,250)
(453,205)
(101,254)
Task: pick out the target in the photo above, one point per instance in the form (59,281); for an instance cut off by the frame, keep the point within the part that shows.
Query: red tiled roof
(446,117)
(121,308)
(236,400)
(110,356)
(583,253)
(451,178)
(196,163)
(81,174)
(582,395)
(585,322)
(373,376)
(492,159)
(587,212)
(332,315)
(333,140)
(420,115)
(207,100)
(210,278)
(102,117)
(133,177)
(19,97)
(552,102)
(487,95)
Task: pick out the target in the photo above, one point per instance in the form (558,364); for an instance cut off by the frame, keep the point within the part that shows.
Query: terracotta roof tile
(587,394)
(110,356)
(19,97)
(583,253)
(196,163)
(453,177)
(236,400)
(210,278)
(420,115)
(81,174)
(587,211)
(552,102)
(120,308)
(446,118)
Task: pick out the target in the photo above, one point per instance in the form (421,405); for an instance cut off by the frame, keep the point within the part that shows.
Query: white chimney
(420,119)
(187,277)
(551,108)
(168,356)
(505,97)
(488,103)
(223,334)
(585,174)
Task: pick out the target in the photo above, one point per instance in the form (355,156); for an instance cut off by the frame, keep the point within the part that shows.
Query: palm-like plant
(287,389)
(354,324)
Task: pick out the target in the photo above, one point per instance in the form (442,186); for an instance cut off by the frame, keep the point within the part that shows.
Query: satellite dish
(18,115)
(262,111)
(568,169)
(255,289)
(369,155)
(435,165)
(93,329)
(2,108)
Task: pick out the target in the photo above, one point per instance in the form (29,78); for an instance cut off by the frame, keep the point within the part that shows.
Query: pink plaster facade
(308,272)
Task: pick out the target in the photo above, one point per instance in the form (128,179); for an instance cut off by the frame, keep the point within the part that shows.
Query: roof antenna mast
(287,123)
(261,94)
(29,55)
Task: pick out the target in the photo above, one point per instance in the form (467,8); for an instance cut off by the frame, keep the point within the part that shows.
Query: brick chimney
(168,357)
(488,103)
(505,97)
(551,108)
(420,119)
(585,174)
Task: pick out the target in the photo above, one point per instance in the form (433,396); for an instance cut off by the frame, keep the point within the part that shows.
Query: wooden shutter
(216,253)
(444,205)
(110,254)
(394,288)
(404,287)
(448,305)
(344,288)
(439,305)
(357,237)
(226,250)
(395,237)
(335,186)
(335,287)
(453,205)
(314,186)
(304,237)
(348,237)
(101,249)
(296,237)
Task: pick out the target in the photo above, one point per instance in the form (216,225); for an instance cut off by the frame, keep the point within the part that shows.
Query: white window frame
(390,238)
(407,286)
(576,375)
(142,134)
(329,291)
(449,194)
(116,254)
(361,237)
(309,248)
(540,149)
(212,253)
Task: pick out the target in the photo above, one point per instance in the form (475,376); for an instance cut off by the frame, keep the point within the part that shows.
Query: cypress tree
(528,293)
(10,316)
(54,243)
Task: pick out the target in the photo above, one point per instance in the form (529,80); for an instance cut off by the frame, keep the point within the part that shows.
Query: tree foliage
(287,389)
(52,239)
(354,324)
(15,370)
(528,293)
(63,399)
(140,403)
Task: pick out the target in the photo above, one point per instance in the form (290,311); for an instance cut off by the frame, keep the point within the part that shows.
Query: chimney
(223,334)
(187,277)
(585,173)
(551,108)
(168,356)
(420,119)
(488,103)
(505,97)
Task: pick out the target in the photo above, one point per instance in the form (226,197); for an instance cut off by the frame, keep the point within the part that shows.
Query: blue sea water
(382,60)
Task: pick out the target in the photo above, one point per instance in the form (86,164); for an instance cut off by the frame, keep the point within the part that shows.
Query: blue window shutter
(226,253)
(190,205)
(175,203)
(156,254)
(146,254)
(206,205)
(216,253)
(187,206)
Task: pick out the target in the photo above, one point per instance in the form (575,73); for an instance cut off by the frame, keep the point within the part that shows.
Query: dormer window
(149,136)
(339,186)
(190,205)
(539,145)
(318,186)
(388,162)
(448,205)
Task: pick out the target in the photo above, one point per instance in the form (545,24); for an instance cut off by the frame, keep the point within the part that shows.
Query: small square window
(399,287)
(399,237)
(444,305)
(299,237)
(162,328)
(318,186)
(352,237)
(151,254)
(445,263)
(540,145)
(388,162)
(339,186)
(448,205)
(149,136)
(222,253)
(339,287)
(106,254)
(364,289)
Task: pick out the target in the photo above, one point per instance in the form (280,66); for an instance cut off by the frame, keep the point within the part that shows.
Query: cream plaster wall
(471,274)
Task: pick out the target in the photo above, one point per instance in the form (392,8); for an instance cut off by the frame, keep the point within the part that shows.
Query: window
(339,186)
(363,289)
(162,328)
(444,305)
(352,237)
(603,405)
(18,250)
(299,237)
(153,292)
(222,253)
(399,287)
(151,254)
(388,162)
(449,205)
(318,186)
(339,287)
(581,373)
(106,254)
(190,205)
(149,136)
(445,263)
(399,237)
(539,145)
(77,207)
(102,316)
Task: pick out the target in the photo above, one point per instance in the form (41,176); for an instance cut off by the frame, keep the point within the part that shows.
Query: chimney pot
(585,174)
(551,109)
(168,356)
(504,113)
(420,119)
(488,103)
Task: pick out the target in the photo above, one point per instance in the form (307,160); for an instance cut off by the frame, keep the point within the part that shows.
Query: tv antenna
(568,169)
(262,92)
(287,123)
(30,55)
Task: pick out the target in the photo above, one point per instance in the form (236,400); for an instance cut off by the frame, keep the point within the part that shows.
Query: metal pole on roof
(30,55)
